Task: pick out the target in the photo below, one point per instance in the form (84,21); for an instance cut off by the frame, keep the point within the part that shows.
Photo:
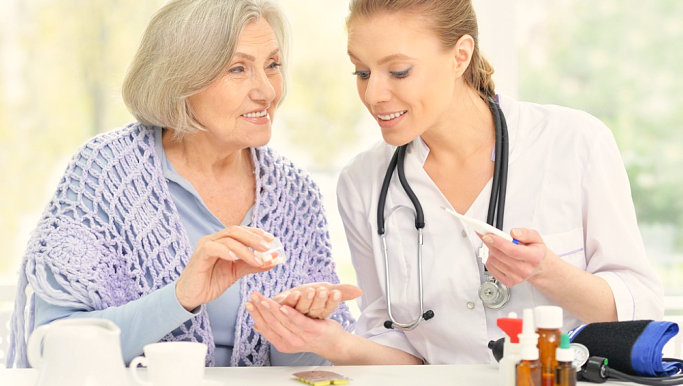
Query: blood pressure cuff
(633,347)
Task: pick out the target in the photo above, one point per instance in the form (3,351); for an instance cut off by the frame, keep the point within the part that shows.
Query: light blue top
(148,319)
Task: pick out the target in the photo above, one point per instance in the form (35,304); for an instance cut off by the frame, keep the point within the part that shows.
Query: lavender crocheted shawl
(112,222)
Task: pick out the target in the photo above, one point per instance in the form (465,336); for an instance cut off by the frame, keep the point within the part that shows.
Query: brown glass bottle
(565,374)
(528,373)
(548,340)
(548,323)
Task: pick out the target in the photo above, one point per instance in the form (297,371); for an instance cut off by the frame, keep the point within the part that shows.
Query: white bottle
(529,368)
(511,355)
(508,363)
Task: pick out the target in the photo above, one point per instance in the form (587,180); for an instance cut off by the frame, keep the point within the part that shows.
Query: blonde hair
(450,20)
(186,46)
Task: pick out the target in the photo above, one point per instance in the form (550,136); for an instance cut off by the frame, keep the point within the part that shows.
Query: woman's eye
(236,70)
(362,74)
(401,74)
(274,65)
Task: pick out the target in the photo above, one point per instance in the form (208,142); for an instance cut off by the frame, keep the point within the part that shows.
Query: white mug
(171,364)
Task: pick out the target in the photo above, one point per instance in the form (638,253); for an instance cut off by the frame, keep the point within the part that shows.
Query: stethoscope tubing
(397,162)
(500,169)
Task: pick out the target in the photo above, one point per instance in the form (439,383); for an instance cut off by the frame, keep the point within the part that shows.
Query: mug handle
(139,360)
(34,349)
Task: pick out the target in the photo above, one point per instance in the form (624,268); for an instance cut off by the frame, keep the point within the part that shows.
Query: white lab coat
(566,180)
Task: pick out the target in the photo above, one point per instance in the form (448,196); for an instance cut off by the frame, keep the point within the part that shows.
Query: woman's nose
(262,89)
(376,91)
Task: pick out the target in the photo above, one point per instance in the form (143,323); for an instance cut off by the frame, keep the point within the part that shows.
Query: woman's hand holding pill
(219,260)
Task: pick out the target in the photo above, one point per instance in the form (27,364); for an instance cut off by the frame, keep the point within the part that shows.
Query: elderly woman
(116,241)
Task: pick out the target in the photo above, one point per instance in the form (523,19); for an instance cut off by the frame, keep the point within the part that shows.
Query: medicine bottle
(548,321)
(512,326)
(565,372)
(528,370)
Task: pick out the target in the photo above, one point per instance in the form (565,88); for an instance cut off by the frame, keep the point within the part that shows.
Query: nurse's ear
(462,54)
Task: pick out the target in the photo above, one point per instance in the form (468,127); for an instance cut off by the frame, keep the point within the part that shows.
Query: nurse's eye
(401,74)
(236,70)
(362,74)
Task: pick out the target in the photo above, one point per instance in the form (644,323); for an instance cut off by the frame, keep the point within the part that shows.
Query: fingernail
(487,239)
(516,233)
(258,259)
(336,295)
(249,306)
(283,309)
(269,235)
(310,294)
(265,305)
(265,245)
(233,255)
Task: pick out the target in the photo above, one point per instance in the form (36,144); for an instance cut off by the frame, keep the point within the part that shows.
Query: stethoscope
(492,293)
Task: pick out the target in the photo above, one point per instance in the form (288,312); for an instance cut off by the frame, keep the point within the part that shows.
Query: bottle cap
(564,353)
(511,325)
(548,317)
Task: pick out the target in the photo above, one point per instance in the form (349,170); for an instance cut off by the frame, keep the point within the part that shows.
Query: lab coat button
(470,305)
(464,233)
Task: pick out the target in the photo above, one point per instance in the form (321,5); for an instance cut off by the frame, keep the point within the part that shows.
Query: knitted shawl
(112,225)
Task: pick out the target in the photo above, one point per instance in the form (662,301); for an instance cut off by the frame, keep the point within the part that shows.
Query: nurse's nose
(376,90)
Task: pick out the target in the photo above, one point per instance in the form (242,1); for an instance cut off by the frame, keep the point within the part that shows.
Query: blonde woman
(549,177)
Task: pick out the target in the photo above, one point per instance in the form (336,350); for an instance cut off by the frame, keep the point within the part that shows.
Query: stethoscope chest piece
(493,293)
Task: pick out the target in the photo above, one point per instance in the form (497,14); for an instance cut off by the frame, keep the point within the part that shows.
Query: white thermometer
(480,226)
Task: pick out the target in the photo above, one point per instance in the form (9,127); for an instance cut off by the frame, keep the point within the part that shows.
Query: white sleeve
(359,232)
(614,246)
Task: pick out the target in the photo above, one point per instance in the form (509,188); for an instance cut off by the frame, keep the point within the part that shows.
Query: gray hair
(186,46)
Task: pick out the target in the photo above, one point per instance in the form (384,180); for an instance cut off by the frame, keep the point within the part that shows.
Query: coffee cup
(171,364)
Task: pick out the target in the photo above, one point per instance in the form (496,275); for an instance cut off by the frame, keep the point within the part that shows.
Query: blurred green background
(62,63)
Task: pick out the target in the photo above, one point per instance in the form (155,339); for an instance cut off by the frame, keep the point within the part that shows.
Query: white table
(453,375)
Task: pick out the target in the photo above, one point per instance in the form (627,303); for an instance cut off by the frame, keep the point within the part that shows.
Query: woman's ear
(462,53)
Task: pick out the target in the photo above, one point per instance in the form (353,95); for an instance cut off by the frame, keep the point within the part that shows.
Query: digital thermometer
(480,226)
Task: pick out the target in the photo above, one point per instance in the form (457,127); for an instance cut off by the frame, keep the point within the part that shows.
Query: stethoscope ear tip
(388,325)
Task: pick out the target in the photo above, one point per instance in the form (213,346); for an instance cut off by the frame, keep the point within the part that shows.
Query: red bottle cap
(511,326)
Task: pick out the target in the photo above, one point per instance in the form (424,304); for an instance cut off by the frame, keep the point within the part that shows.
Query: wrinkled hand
(290,331)
(512,264)
(317,300)
(218,261)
